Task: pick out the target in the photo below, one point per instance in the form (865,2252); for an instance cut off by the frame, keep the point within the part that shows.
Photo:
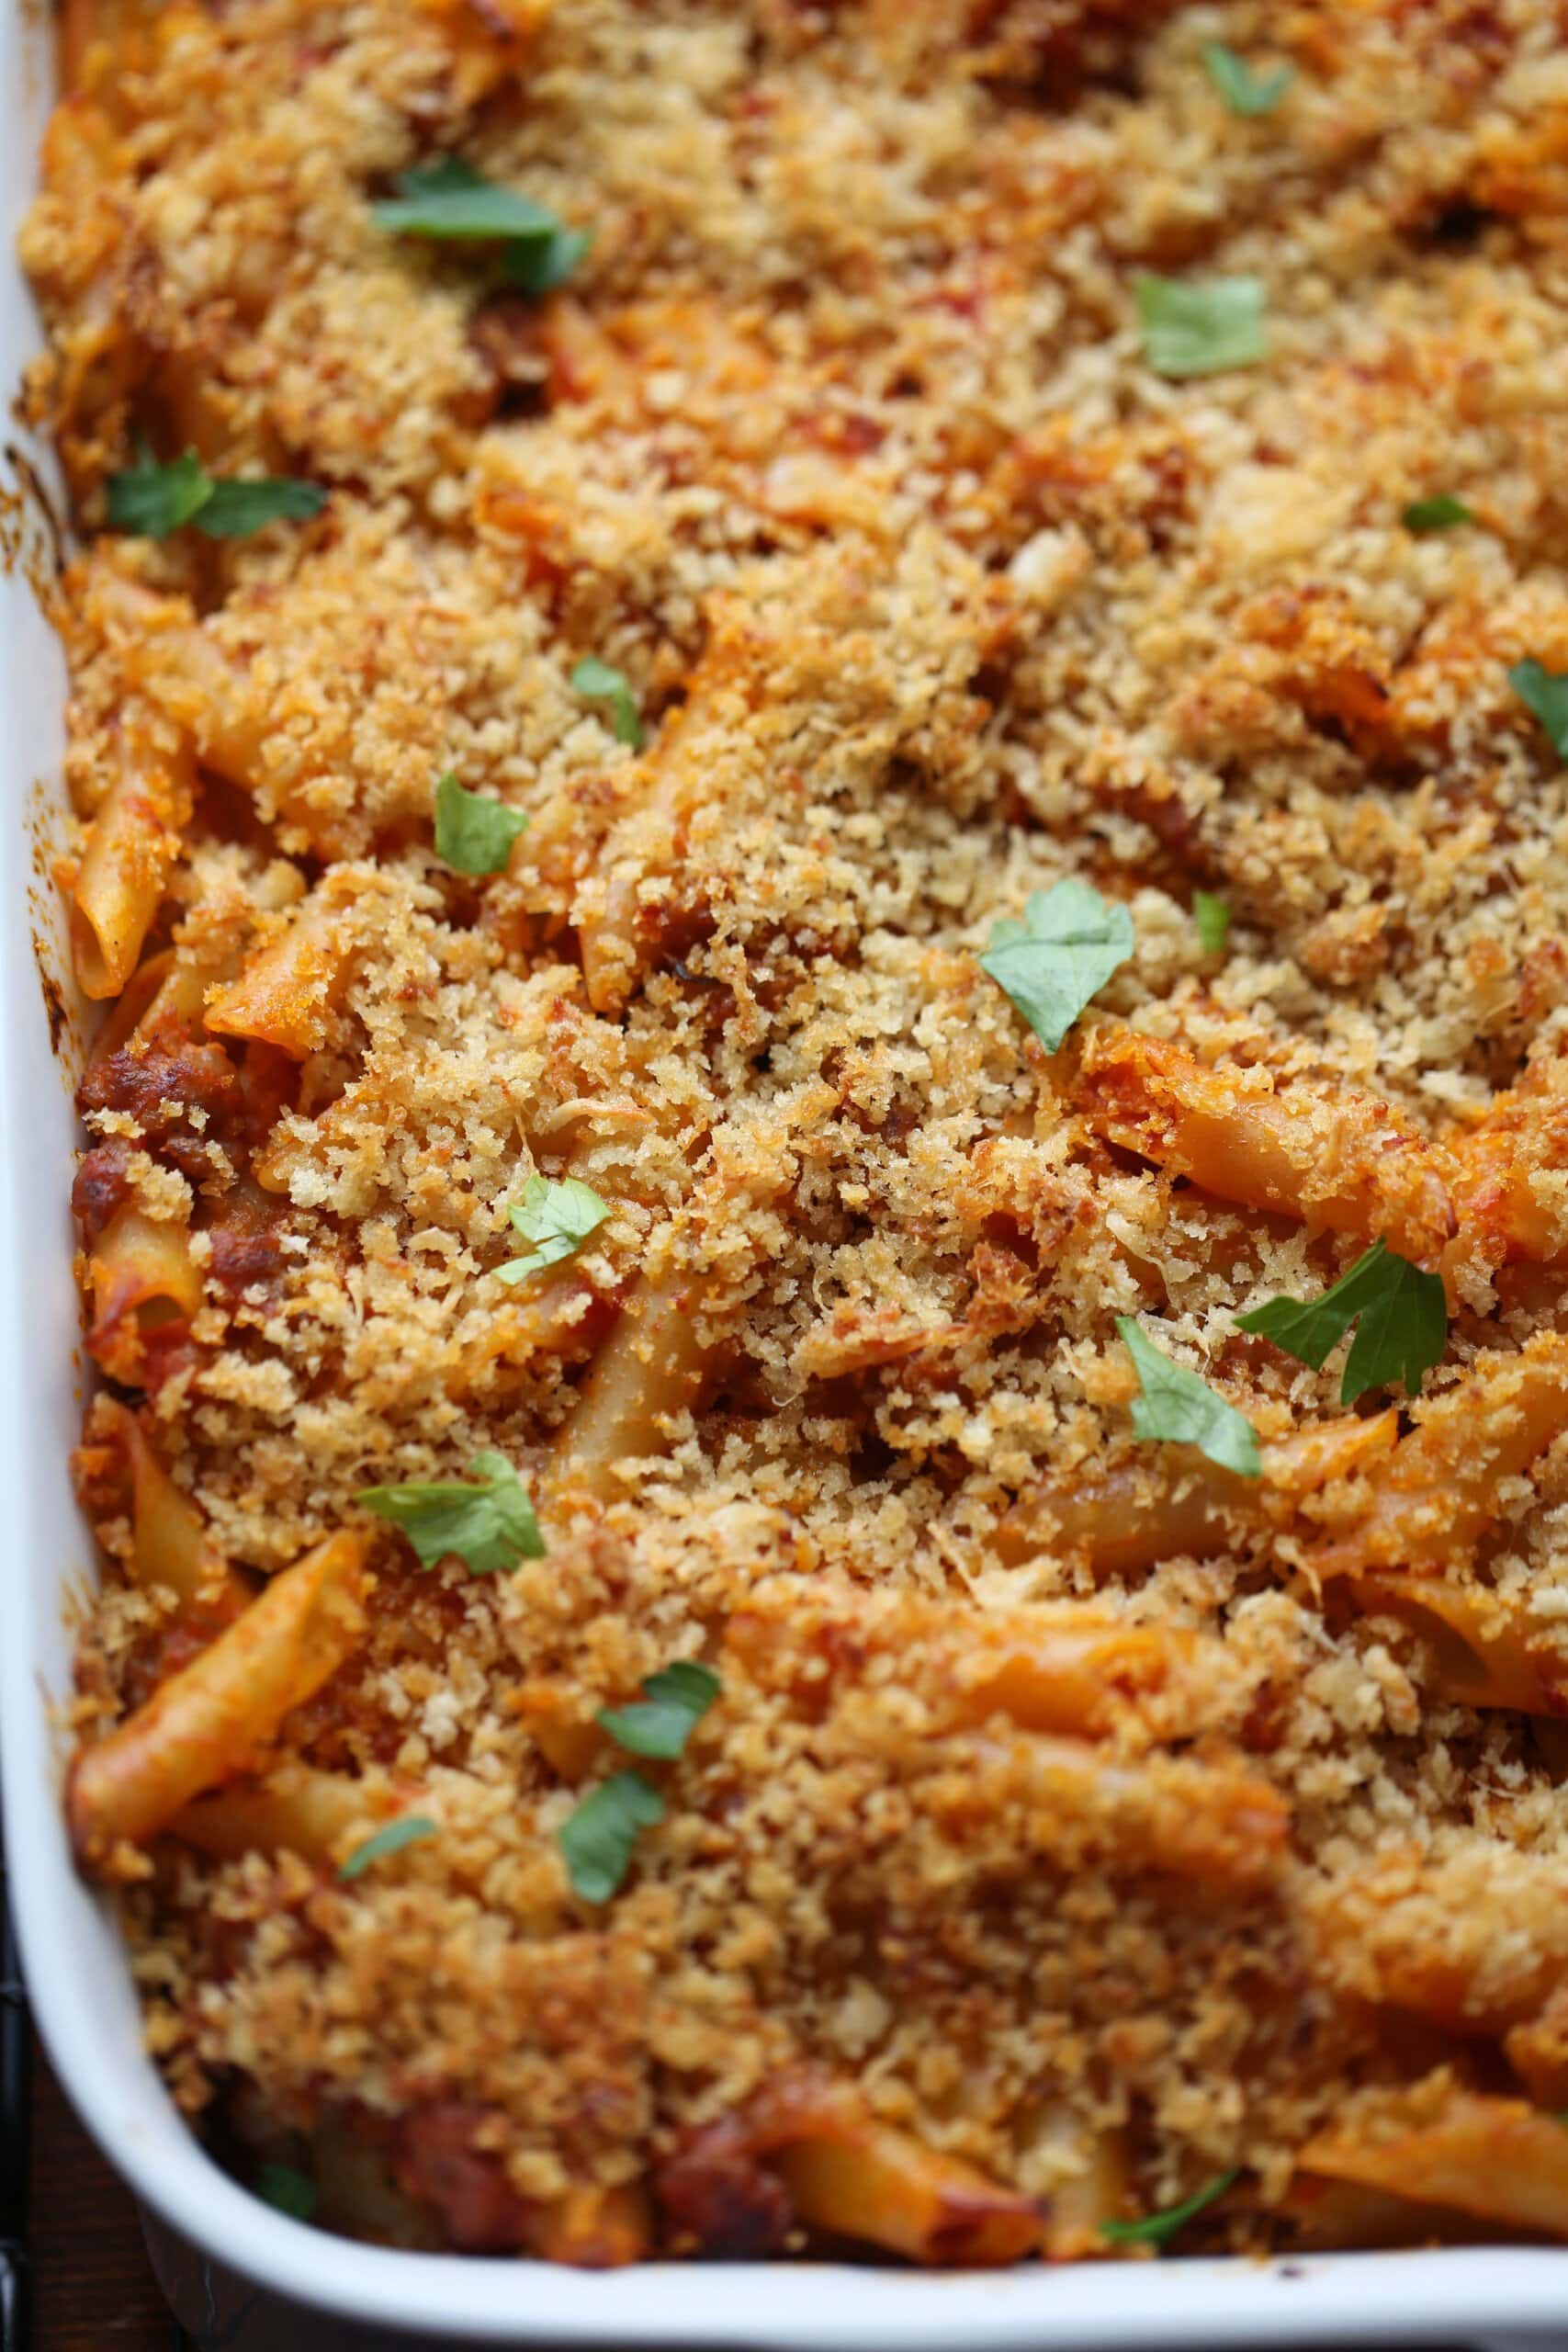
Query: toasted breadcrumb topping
(840,444)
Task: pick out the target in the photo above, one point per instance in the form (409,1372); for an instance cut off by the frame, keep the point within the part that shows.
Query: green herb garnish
(1436,514)
(490,1524)
(597,1839)
(152,501)
(1069,942)
(556,1219)
(1244,91)
(1178,1409)
(473,833)
(1400,1334)
(1546,692)
(599,683)
(450,201)
(1158,2229)
(291,2191)
(674,1702)
(1199,328)
(1213,918)
(539,264)
(407,1830)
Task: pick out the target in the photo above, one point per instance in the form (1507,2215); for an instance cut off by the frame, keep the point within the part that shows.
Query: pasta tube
(206,1723)
(1499,2159)
(135,839)
(1350,1163)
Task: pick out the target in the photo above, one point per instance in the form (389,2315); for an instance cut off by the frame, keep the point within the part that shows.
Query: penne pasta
(1349,1163)
(143,1277)
(1485,1650)
(1329,2214)
(1071,1672)
(1507,1188)
(618,913)
(1499,2159)
(661,1352)
(1163,1505)
(846,2172)
(135,841)
(169,657)
(1220,1824)
(206,1723)
(170,1546)
(312,1813)
(883,2188)
(593,2228)
(1095,2193)
(648,1372)
(1420,1936)
(1442,1489)
(103,43)
(289,988)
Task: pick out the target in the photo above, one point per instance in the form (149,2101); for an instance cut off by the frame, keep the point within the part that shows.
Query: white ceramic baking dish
(79,1982)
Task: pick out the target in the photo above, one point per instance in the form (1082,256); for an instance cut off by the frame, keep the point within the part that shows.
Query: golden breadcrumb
(842,445)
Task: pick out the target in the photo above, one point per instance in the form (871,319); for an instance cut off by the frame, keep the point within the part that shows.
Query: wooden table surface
(93,2291)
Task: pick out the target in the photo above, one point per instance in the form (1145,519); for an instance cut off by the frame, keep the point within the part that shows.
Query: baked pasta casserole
(820,751)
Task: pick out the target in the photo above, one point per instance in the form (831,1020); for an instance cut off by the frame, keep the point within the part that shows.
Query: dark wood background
(93,2291)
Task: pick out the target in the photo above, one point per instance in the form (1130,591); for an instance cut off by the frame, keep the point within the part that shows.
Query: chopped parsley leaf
(1177,1407)
(151,501)
(1546,692)
(674,1702)
(556,1219)
(1402,1331)
(473,833)
(1158,2229)
(407,1830)
(450,201)
(291,2191)
(1200,327)
(597,1839)
(597,682)
(1069,942)
(1244,91)
(1213,918)
(1436,514)
(489,1523)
